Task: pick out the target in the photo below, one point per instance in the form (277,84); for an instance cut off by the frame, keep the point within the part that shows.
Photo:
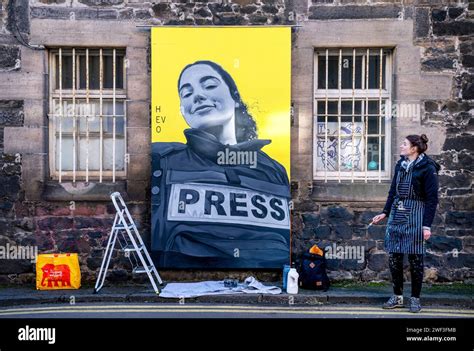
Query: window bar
(125,163)
(367,111)
(74,146)
(353,113)
(79,111)
(52,107)
(380,115)
(126,160)
(61,111)
(101,151)
(388,111)
(362,108)
(316,133)
(326,123)
(87,116)
(339,112)
(113,119)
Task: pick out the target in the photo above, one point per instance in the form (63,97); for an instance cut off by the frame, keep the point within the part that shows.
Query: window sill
(347,191)
(81,191)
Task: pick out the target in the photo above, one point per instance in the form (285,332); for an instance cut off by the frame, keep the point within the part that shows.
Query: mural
(220,147)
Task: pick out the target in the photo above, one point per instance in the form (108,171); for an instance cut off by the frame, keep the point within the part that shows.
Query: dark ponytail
(419,141)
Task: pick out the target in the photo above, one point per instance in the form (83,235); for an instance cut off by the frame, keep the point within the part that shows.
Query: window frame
(364,95)
(117,96)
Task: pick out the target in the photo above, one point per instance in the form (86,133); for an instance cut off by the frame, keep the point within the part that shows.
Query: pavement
(337,295)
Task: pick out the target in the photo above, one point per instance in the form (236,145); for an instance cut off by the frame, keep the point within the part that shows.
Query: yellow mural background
(258,59)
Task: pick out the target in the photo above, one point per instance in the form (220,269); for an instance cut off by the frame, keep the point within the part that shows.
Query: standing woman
(410,208)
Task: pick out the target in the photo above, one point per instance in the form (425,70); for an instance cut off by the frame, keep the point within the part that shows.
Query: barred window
(351,114)
(87,114)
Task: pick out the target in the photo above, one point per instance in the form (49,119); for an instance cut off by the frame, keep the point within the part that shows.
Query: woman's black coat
(425,185)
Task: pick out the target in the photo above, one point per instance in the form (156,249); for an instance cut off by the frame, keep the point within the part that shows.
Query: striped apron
(405,224)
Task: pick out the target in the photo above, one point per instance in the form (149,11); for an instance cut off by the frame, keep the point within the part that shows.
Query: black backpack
(312,271)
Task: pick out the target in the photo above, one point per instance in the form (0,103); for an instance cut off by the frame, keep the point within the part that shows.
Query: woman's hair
(245,126)
(418,141)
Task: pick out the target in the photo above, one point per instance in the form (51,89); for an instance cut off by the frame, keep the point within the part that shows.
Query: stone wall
(449,45)
(435,65)
(332,213)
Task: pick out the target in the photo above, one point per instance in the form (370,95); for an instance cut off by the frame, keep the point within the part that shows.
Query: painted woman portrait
(218,200)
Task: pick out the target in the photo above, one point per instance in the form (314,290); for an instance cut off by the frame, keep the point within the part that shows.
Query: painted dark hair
(418,141)
(245,126)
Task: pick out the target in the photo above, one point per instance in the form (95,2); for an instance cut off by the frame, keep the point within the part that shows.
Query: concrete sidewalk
(360,294)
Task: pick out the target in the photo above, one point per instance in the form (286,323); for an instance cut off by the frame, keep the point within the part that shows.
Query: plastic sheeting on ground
(186,290)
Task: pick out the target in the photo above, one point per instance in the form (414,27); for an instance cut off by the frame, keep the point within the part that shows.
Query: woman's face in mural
(205,97)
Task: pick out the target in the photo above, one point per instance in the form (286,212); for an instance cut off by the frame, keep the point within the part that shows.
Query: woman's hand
(378,218)
(426,234)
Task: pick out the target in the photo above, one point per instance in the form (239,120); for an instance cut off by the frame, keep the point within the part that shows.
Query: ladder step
(141,269)
(129,248)
(124,226)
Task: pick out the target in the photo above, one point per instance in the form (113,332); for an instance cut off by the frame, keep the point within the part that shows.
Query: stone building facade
(431,48)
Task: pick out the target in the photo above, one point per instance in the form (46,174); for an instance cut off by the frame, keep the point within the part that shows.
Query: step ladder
(126,233)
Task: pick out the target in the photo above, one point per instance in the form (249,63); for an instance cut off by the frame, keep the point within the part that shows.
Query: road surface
(190,310)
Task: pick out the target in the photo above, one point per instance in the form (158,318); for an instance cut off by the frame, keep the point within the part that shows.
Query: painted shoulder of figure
(277,166)
(164,149)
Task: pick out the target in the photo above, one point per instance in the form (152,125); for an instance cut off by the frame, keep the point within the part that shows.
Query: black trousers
(416,271)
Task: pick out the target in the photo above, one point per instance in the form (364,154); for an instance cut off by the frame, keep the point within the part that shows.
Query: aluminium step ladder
(126,233)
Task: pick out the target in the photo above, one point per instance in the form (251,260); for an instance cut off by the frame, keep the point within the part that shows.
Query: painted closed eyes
(209,83)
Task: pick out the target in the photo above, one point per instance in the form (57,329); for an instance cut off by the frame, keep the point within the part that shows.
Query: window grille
(352,114)
(87,118)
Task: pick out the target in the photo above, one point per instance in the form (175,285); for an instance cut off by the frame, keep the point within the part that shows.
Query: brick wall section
(442,30)
(449,46)
(445,35)
(56,226)
(240,12)
(11,114)
(9,58)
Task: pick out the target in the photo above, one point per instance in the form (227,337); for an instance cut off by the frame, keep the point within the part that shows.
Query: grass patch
(450,288)
(349,284)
